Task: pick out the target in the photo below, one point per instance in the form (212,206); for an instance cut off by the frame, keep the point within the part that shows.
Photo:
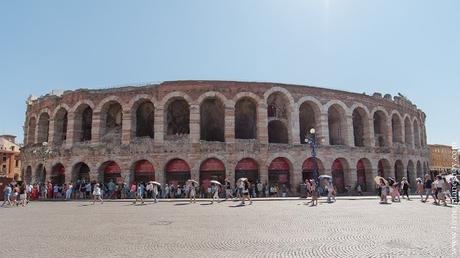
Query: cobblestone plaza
(348,228)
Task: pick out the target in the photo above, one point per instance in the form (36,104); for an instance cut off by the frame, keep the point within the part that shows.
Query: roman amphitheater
(205,130)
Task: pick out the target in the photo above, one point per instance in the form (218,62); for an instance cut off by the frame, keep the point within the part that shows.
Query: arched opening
(58,174)
(60,126)
(279,172)
(384,168)
(145,117)
(43,128)
(380,129)
(360,127)
(411,174)
(399,170)
(279,113)
(178,118)
(277,132)
(177,172)
(83,123)
(40,173)
(31,131)
(337,125)
(212,120)
(396,127)
(308,118)
(112,119)
(247,168)
(144,171)
(110,171)
(416,134)
(245,119)
(408,131)
(338,175)
(364,174)
(211,169)
(81,172)
(419,169)
(28,174)
(308,167)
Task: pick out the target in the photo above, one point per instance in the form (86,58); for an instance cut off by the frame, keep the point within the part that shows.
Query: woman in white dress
(192,192)
(97,193)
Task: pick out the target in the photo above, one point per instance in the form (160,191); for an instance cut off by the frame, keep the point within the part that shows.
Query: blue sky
(411,46)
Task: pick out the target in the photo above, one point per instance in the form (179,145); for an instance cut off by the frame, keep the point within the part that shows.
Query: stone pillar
(371,132)
(349,135)
(295,128)
(263,173)
(229,124)
(96,128)
(126,127)
(324,123)
(389,134)
(194,123)
(70,137)
(296,178)
(262,123)
(51,139)
(159,125)
(351,176)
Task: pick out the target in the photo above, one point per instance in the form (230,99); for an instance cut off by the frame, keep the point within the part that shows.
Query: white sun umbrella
(215,182)
(325,177)
(155,183)
(192,181)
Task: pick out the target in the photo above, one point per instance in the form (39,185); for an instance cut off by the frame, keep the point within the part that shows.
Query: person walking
(68,192)
(192,193)
(405,188)
(420,188)
(314,192)
(429,190)
(446,187)
(215,193)
(140,193)
(246,195)
(154,192)
(97,194)
(438,186)
(384,192)
(228,190)
(7,191)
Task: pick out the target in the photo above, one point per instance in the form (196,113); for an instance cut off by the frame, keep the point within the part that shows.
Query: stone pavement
(348,228)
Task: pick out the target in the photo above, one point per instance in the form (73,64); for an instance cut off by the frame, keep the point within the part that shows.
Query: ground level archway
(58,175)
(279,172)
(211,169)
(177,172)
(247,168)
(144,171)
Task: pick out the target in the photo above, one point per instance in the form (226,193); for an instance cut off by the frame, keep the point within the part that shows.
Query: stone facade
(358,135)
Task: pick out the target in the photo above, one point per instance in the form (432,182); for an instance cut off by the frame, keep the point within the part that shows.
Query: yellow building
(10,164)
(443,158)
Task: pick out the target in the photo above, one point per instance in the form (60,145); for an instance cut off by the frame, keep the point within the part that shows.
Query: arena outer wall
(357,134)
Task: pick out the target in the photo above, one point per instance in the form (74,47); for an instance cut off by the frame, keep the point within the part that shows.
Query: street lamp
(44,153)
(310,138)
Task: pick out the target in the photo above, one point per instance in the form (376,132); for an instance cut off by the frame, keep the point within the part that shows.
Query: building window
(17,163)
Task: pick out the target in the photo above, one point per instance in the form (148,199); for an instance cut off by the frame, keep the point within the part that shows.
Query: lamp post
(310,138)
(43,153)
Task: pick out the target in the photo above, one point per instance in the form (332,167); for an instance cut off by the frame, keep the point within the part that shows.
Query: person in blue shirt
(7,194)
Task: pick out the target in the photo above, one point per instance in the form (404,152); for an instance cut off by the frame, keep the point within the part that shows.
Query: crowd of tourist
(19,195)
(441,189)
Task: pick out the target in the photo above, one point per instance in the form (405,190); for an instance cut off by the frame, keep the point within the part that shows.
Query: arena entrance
(111,171)
(177,172)
(278,172)
(211,169)
(338,175)
(58,174)
(247,168)
(144,172)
